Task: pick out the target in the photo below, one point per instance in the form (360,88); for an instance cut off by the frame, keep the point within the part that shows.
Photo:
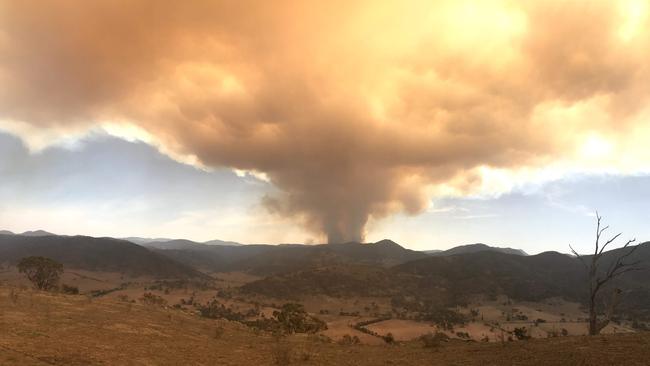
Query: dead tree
(598,279)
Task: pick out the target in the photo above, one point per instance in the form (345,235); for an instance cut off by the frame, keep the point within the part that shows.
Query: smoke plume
(353,111)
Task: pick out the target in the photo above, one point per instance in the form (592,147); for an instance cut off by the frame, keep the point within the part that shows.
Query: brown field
(42,328)
(496,318)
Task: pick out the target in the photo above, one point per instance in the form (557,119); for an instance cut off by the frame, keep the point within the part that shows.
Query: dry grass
(281,353)
(41,328)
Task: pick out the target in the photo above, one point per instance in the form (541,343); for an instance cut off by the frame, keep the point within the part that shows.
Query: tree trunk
(593,319)
(596,326)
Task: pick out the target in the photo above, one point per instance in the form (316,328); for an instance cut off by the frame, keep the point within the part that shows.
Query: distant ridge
(94,254)
(475,248)
(268,259)
(37,233)
(143,241)
(221,242)
(6,232)
(167,243)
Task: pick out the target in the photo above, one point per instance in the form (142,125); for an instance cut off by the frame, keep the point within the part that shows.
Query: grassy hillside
(337,281)
(522,277)
(455,279)
(47,329)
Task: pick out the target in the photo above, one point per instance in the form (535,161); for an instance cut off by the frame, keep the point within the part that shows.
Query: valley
(375,294)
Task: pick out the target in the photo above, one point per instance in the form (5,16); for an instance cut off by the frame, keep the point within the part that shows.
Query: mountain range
(28,233)
(94,254)
(383,268)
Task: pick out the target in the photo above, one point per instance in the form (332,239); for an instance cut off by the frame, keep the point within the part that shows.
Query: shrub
(445,318)
(150,299)
(348,340)
(388,338)
(521,333)
(216,310)
(43,272)
(71,290)
(431,340)
(294,319)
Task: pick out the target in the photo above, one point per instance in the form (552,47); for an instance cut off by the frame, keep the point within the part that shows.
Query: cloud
(354,111)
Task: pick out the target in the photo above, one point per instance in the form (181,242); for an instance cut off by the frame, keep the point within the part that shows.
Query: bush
(150,299)
(388,338)
(431,340)
(216,310)
(521,333)
(294,319)
(43,272)
(348,340)
(443,317)
(70,290)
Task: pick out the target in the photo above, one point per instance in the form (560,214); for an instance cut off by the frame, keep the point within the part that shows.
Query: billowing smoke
(354,111)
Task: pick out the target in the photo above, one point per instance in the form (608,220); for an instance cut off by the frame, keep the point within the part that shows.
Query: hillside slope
(94,254)
(273,259)
(46,329)
(475,248)
(454,279)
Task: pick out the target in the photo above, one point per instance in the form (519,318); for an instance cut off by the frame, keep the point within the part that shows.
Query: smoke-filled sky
(430,122)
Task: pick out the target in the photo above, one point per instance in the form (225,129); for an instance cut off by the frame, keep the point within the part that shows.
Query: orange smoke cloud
(354,111)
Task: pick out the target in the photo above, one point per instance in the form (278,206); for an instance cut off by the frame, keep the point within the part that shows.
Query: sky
(432,123)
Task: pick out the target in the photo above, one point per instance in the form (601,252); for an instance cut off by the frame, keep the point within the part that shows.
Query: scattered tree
(294,319)
(597,279)
(149,298)
(349,340)
(43,272)
(521,333)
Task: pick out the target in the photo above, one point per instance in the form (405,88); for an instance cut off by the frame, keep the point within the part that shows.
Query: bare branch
(629,269)
(619,261)
(598,218)
(582,260)
(632,250)
(603,230)
(609,242)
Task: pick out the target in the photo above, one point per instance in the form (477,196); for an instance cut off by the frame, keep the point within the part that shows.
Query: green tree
(43,272)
